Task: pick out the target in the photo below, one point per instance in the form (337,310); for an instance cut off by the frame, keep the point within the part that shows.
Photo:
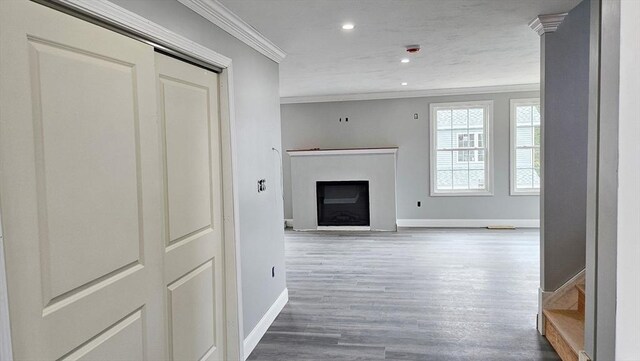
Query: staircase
(564,328)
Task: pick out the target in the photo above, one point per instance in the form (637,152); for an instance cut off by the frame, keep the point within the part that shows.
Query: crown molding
(547,23)
(411,94)
(225,19)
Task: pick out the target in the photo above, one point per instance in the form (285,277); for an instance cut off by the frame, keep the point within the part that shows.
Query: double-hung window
(525,146)
(461,148)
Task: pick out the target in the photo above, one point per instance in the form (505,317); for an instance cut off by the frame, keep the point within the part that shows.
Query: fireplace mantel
(345,151)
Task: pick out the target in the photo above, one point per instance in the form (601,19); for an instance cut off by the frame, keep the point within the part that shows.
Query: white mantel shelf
(350,151)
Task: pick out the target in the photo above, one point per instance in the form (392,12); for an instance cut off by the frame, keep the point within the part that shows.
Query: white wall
(379,123)
(628,275)
(256,96)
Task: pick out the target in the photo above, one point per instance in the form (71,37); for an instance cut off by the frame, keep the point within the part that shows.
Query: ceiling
(465,43)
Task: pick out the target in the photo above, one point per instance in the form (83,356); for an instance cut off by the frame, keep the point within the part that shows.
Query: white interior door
(81,190)
(190,123)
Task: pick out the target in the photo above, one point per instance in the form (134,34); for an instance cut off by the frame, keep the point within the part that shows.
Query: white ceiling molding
(411,94)
(225,19)
(118,16)
(547,23)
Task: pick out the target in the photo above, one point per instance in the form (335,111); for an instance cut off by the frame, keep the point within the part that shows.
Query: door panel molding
(192,329)
(115,243)
(104,345)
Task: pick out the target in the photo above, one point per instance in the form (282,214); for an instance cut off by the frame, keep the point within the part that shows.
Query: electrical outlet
(262,185)
(419,204)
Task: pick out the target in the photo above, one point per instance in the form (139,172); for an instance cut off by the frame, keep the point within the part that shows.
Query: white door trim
(127,20)
(6,352)
(111,13)
(233,280)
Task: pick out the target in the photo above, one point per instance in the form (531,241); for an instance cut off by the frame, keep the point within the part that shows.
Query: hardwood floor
(418,294)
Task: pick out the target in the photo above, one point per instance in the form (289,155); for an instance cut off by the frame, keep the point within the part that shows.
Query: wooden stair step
(565,332)
(581,297)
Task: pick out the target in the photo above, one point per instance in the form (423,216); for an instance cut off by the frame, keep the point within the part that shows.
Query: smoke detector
(413,49)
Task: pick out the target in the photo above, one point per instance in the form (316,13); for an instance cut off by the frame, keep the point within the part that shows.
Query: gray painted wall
(378,123)
(565,95)
(256,86)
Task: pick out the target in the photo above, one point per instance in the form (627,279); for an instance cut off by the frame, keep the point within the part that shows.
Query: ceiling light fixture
(405,60)
(404,83)
(348,26)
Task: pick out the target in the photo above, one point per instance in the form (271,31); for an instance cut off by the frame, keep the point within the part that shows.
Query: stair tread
(580,287)
(570,325)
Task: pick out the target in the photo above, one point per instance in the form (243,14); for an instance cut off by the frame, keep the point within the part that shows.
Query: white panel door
(80,189)
(190,127)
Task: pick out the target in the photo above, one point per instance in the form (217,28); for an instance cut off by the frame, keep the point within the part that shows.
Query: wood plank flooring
(418,294)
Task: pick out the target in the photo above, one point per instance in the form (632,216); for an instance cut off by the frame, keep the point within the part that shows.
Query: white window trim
(512,146)
(488,124)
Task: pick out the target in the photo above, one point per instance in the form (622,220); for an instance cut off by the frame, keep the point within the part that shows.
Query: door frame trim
(127,21)
(602,201)
(6,352)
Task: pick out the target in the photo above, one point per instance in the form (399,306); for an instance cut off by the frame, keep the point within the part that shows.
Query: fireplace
(343,203)
(313,203)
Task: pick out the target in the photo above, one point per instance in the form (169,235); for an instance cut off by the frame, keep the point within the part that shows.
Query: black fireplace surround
(343,203)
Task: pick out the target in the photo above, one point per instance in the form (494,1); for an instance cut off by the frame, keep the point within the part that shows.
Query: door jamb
(115,15)
(602,203)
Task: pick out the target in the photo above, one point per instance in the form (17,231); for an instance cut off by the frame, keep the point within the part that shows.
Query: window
(525,146)
(468,141)
(461,148)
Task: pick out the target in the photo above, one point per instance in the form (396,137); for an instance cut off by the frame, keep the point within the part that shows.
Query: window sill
(524,193)
(462,194)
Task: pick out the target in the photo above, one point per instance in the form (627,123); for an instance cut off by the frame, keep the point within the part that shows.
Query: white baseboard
(251,341)
(542,299)
(468,223)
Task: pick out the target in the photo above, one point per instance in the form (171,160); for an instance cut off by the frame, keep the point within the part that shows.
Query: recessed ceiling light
(348,26)
(405,60)
(404,83)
